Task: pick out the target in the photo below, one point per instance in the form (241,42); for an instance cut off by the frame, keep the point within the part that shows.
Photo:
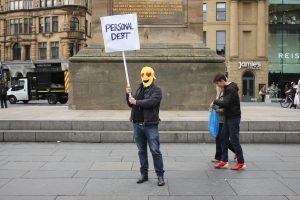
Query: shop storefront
(284,42)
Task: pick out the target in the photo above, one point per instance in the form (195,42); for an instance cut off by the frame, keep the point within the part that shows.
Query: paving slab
(180,198)
(66,166)
(293,184)
(41,174)
(126,166)
(28,197)
(258,187)
(22,165)
(123,187)
(250,198)
(102,197)
(51,187)
(200,187)
(12,173)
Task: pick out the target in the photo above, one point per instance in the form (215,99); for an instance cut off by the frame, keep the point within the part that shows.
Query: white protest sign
(120,33)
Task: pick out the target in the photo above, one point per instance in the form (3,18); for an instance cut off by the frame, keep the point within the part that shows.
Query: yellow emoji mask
(147,75)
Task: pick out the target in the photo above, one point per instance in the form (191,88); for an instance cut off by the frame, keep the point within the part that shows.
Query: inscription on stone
(153,12)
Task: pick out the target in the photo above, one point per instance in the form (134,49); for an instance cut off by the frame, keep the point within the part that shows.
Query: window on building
(47,24)
(26,25)
(221,11)
(54,50)
(74,24)
(221,43)
(16,26)
(41,24)
(42,50)
(27,52)
(204,12)
(20,25)
(12,26)
(30,25)
(54,24)
(86,27)
(16,52)
(204,38)
(48,3)
(43,3)
(19,4)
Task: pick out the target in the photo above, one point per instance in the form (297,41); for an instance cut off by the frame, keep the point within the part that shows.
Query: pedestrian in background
(3,94)
(231,126)
(293,91)
(145,104)
(220,111)
(263,93)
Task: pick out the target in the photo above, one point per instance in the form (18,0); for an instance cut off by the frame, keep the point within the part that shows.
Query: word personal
(119,31)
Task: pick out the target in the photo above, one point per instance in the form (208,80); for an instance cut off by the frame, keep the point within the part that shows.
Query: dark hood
(233,86)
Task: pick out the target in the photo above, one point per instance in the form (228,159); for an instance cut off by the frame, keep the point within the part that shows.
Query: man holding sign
(120,33)
(145,117)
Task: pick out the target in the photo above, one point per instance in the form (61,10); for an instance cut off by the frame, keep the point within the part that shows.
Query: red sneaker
(238,166)
(221,165)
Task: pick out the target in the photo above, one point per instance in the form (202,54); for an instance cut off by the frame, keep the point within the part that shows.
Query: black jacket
(231,101)
(150,104)
(3,90)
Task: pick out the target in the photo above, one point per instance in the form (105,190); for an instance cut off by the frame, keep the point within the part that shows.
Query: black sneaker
(161,181)
(142,179)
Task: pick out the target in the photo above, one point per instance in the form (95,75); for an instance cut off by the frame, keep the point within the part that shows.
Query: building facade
(238,30)
(43,32)
(284,42)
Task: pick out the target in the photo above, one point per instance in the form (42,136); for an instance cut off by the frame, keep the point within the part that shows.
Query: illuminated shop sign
(250,65)
(289,55)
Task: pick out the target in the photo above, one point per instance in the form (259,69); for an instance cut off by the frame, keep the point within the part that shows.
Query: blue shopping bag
(213,123)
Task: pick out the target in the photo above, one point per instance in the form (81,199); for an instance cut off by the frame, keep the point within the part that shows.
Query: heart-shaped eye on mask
(148,74)
(142,75)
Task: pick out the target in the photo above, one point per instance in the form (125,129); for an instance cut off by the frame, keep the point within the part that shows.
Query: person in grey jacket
(145,104)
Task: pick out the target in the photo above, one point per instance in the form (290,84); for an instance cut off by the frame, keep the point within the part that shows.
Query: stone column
(261,29)
(33,51)
(48,50)
(234,31)
(23,52)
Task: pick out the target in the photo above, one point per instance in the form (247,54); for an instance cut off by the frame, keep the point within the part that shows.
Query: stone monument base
(97,79)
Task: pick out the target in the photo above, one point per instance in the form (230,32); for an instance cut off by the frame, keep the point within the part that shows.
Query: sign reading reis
(120,33)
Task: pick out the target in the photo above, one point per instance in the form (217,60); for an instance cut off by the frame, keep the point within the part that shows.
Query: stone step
(127,126)
(274,137)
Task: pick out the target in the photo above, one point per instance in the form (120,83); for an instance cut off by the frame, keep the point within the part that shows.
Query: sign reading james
(153,12)
(250,65)
(120,33)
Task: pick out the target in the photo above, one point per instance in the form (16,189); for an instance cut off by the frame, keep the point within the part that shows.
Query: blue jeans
(150,135)
(231,129)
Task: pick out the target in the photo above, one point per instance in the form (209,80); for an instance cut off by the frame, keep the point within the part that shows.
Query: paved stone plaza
(75,171)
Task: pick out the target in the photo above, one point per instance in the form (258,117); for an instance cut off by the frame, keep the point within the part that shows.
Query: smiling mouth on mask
(146,81)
